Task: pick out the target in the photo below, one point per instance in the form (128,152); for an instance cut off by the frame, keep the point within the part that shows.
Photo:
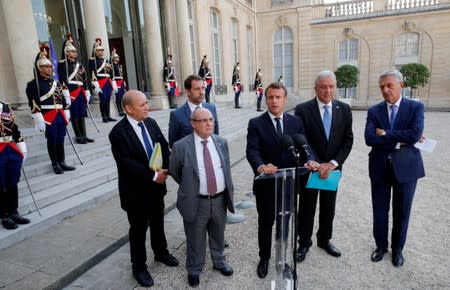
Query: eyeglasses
(204,120)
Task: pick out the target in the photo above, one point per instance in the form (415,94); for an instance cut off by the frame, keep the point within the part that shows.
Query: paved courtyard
(427,261)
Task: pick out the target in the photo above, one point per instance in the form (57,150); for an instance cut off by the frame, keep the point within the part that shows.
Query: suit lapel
(220,151)
(335,117)
(315,112)
(187,111)
(192,154)
(269,124)
(384,116)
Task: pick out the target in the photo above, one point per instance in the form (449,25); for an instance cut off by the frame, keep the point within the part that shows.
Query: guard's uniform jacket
(72,75)
(100,70)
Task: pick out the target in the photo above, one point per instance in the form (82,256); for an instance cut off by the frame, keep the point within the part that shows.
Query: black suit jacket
(136,186)
(263,145)
(340,143)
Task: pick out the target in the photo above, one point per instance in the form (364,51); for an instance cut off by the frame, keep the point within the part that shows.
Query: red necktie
(209,170)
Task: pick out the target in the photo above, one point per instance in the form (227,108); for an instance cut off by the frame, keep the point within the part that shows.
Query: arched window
(407,45)
(234,41)
(283,60)
(215,35)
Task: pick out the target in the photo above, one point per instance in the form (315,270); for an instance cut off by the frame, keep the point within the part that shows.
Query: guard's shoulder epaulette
(92,58)
(62,60)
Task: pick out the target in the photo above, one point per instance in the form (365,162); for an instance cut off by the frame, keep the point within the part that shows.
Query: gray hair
(194,112)
(324,74)
(395,73)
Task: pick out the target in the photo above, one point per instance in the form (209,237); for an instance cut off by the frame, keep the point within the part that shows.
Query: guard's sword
(31,192)
(92,117)
(73,146)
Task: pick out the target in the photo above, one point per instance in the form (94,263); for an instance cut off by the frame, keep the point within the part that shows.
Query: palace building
(296,39)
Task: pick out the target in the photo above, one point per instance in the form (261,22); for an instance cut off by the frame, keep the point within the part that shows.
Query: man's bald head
(135,104)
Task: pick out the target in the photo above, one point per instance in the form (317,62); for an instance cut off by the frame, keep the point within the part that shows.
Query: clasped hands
(162,176)
(322,168)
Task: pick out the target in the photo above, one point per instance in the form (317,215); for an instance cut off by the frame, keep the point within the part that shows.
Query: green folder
(330,183)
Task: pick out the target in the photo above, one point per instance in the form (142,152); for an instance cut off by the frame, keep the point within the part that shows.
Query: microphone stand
(296,192)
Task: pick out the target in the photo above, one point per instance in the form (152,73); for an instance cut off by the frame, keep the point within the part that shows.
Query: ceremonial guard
(170,81)
(101,80)
(118,83)
(205,73)
(49,109)
(73,78)
(13,151)
(258,87)
(236,83)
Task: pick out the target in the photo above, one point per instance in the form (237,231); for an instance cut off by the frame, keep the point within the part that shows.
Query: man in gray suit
(200,164)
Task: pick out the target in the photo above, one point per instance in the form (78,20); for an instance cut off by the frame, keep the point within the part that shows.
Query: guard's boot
(108,115)
(236,102)
(120,109)
(52,153)
(103,112)
(18,219)
(8,223)
(77,130)
(83,131)
(61,158)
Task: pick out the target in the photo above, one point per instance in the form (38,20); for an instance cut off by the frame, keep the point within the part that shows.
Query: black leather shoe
(18,219)
(225,270)
(301,254)
(263,268)
(237,107)
(259,110)
(331,250)
(377,255)
(168,260)
(8,223)
(89,140)
(65,167)
(57,169)
(397,259)
(143,277)
(226,244)
(110,119)
(81,140)
(193,280)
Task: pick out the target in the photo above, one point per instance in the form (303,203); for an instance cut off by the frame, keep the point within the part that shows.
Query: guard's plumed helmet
(42,56)
(97,46)
(6,113)
(68,45)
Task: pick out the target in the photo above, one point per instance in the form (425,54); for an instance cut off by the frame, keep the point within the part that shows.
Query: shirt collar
(199,139)
(193,106)
(132,121)
(320,104)
(272,116)
(396,103)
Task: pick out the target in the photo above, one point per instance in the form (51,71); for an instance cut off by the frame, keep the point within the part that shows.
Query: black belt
(211,197)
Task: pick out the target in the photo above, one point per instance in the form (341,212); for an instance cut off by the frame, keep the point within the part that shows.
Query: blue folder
(330,183)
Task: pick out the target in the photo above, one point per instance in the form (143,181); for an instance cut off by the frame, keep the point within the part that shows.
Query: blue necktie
(393,115)
(326,121)
(148,146)
(279,130)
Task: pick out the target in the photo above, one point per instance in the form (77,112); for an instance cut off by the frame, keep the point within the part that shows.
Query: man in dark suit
(265,155)
(180,123)
(141,189)
(392,129)
(200,164)
(328,128)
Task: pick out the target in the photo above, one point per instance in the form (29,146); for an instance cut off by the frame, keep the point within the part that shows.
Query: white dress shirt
(138,132)
(274,122)
(217,165)
(330,111)
(194,106)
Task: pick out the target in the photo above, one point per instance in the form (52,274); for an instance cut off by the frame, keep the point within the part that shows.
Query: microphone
(301,144)
(287,144)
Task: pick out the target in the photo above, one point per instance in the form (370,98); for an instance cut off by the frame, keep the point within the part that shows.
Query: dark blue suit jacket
(180,122)
(408,128)
(263,144)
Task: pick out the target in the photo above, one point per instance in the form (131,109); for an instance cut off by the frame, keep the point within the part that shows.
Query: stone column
(155,58)
(184,42)
(23,43)
(94,16)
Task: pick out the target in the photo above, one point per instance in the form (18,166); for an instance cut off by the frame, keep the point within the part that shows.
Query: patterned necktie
(326,121)
(148,146)
(279,130)
(393,115)
(209,170)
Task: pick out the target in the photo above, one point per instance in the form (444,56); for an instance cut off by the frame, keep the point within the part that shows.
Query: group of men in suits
(199,163)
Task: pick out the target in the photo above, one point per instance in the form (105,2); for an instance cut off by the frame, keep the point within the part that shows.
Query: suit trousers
(139,221)
(402,198)
(266,205)
(211,218)
(307,211)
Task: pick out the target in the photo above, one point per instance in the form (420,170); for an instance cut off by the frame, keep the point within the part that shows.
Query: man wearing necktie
(265,155)
(392,128)
(141,189)
(328,129)
(200,164)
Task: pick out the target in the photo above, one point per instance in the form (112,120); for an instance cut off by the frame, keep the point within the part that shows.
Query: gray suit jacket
(183,168)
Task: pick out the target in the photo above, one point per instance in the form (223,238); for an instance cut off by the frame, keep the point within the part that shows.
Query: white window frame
(215,40)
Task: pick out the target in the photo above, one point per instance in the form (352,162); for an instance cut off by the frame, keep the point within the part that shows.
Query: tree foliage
(347,76)
(415,75)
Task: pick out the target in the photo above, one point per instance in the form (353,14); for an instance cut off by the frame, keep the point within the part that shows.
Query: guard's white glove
(66,95)
(97,88)
(167,87)
(115,88)
(23,148)
(67,113)
(39,120)
(87,94)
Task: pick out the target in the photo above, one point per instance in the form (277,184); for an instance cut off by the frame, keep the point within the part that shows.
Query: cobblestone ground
(426,252)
